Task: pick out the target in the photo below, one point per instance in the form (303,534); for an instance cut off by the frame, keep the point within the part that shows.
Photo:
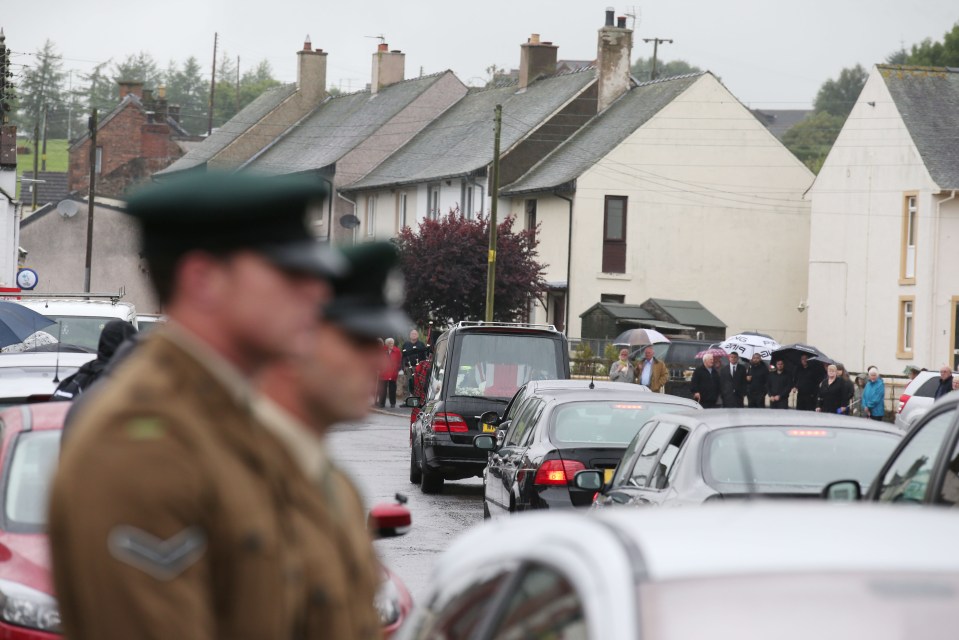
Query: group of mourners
(396,359)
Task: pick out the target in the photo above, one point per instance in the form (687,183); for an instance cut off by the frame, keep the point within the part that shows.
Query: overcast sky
(770,54)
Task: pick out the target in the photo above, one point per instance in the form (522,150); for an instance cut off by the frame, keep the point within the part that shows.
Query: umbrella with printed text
(17,323)
(748,342)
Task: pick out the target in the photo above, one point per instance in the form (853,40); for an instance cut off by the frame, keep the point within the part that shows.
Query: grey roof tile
(232,129)
(928,101)
(688,312)
(460,141)
(601,135)
(338,125)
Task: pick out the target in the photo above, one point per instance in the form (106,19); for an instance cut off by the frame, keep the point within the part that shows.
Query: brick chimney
(612,60)
(130,86)
(536,59)
(311,73)
(389,67)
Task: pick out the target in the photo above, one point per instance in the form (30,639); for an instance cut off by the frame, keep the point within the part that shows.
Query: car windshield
(792,458)
(607,422)
(34,461)
(83,331)
(496,365)
(852,606)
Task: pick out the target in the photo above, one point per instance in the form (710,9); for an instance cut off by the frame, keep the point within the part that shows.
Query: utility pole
(491,266)
(93,188)
(70,108)
(238,84)
(656,41)
(209,126)
(43,152)
(36,162)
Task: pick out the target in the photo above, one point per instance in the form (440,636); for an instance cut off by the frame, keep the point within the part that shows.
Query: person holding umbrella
(807,382)
(757,377)
(651,372)
(778,386)
(705,384)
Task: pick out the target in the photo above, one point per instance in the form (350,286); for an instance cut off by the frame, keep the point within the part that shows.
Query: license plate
(608,475)
(489,428)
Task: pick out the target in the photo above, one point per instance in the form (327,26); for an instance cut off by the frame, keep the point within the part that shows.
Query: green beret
(368,300)
(222,212)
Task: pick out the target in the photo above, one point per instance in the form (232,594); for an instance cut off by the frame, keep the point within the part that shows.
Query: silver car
(917,398)
(753,571)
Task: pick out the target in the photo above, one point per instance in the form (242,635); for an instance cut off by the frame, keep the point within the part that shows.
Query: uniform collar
(303,444)
(224,372)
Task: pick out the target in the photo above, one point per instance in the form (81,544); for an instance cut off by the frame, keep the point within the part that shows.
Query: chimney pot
(307,43)
(383,47)
(536,59)
(609,16)
(621,22)
(534,38)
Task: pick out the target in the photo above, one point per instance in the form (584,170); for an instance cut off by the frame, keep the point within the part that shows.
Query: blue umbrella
(17,323)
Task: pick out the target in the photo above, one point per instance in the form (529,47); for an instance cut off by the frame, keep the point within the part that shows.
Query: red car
(29,453)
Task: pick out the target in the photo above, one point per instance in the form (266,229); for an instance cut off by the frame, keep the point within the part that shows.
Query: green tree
(937,54)
(642,69)
(838,96)
(255,81)
(42,88)
(811,139)
(99,90)
(140,67)
(187,88)
(225,106)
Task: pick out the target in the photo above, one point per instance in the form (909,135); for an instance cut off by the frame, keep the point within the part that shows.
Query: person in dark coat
(778,387)
(832,392)
(757,377)
(945,382)
(414,351)
(113,334)
(808,377)
(849,388)
(732,380)
(705,384)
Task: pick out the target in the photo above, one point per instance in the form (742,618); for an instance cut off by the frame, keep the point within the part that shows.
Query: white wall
(9,229)
(856,230)
(715,213)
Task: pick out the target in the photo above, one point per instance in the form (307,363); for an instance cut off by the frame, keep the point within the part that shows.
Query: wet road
(376,454)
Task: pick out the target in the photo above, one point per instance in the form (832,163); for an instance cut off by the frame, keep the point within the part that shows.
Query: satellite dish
(350,221)
(67,208)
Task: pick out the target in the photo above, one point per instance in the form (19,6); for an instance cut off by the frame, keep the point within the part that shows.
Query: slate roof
(460,141)
(338,125)
(130,98)
(54,188)
(634,314)
(927,99)
(600,136)
(779,121)
(687,312)
(232,129)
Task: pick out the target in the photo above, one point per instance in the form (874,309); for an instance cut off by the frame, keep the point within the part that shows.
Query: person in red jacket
(391,368)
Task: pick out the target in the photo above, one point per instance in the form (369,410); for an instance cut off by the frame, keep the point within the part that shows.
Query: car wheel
(486,515)
(415,474)
(431,481)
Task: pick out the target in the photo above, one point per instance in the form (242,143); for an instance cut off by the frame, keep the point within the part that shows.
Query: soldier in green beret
(175,513)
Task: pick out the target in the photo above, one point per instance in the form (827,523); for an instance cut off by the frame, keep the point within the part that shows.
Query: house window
(910,221)
(612,297)
(907,324)
(370,215)
(531,215)
(467,200)
(99,160)
(614,235)
(433,202)
(401,210)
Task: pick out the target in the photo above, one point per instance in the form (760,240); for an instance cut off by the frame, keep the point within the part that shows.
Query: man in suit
(705,384)
(732,380)
(756,379)
(176,513)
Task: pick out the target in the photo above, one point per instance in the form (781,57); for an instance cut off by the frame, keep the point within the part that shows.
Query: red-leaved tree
(445,266)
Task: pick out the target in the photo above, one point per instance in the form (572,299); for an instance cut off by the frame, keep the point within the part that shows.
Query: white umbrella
(748,343)
(639,337)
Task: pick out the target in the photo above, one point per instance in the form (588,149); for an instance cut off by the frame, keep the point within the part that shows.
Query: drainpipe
(352,202)
(569,259)
(935,281)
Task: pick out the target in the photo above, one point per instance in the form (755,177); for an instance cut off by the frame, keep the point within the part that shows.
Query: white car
(747,571)
(31,377)
(917,398)
(79,322)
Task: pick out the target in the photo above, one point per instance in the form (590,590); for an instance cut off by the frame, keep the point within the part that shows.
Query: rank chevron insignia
(162,559)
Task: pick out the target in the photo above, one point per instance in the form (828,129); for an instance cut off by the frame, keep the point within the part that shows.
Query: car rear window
(780,459)
(83,331)
(604,422)
(928,388)
(34,461)
(496,365)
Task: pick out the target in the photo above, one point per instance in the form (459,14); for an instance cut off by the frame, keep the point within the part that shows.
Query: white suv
(80,321)
(917,398)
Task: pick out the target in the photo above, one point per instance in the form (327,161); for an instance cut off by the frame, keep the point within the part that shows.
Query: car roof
(716,539)
(607,391)
(725,418)
(81,308)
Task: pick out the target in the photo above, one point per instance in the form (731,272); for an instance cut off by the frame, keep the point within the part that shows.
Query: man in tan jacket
(175,512)
(651,372)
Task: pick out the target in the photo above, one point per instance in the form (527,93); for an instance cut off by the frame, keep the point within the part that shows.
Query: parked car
(34,376)
(917,398)
(79,321)
(741,571)
(923,469)
(557,432)
(694,458)
(476,367)
(679,356)
(149,321)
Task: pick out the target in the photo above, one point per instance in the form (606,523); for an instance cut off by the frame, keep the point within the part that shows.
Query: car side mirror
(589,479)
(484,442)
(842,491)
(490,417)
(412,401)
(389,520)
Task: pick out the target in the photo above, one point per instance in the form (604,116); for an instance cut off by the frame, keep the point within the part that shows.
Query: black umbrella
(17,323)
(793,352)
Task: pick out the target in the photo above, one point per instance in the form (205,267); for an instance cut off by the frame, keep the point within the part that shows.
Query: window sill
(613,276)
(906,281)
(904,355)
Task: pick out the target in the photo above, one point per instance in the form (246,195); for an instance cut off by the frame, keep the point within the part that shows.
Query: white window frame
(99,160)
(371,215)
(401,209)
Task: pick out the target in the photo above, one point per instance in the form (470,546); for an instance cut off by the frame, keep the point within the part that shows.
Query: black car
(555,431)
(924,468)
(476,367)
(736,453)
